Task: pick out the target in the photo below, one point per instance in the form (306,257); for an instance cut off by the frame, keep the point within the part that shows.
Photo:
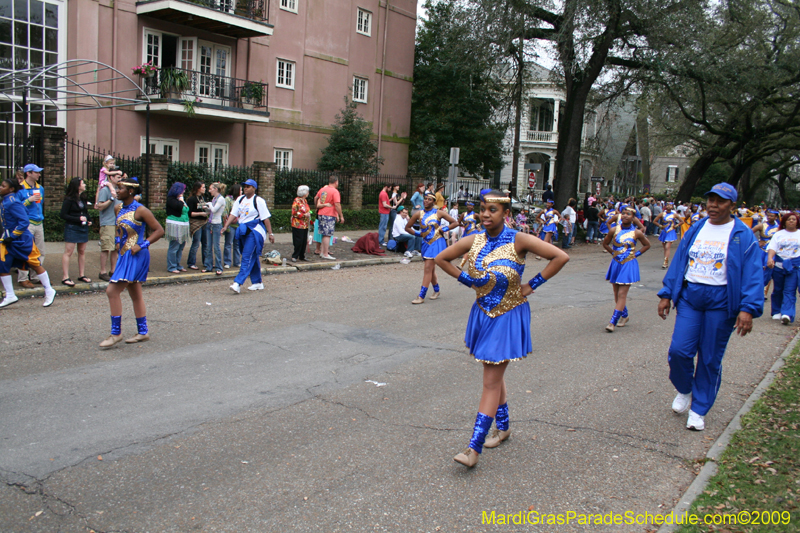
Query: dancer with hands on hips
(498,327)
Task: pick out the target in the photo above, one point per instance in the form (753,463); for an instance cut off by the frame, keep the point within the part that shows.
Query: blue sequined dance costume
(550,225)
(471,226)
(131,268)
(624,267)
(668,234)
(432,240)
(21,251)
(499,324)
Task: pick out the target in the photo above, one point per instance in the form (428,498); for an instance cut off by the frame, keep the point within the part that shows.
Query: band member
(432,232)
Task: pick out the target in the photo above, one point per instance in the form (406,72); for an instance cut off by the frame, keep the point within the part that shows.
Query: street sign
(598,179)
(533,166)
(454,153)
(531,179)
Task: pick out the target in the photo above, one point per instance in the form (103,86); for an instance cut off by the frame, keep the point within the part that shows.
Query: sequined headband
(129,183)
(497,200)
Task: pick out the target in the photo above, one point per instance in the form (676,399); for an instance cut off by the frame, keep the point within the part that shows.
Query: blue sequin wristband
(117,240)
(638,253)
(537,281)
(144,245)
(466,279)
(417,233)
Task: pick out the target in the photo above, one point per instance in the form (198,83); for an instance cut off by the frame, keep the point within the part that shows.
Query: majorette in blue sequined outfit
(471,224)
(624,268)
(131,267)
(432,240)
(498,328)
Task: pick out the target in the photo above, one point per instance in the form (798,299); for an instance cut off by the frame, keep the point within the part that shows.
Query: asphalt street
(327,402)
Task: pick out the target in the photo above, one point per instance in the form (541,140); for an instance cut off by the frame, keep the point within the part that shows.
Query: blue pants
(784,293)
(231,250)
(382,227)
(174,253)
(213,239)
(592,231)
(201,237)
(251,247)
(413,242)
(702,328)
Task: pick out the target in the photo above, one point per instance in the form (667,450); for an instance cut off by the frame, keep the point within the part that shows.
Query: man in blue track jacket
(715,281)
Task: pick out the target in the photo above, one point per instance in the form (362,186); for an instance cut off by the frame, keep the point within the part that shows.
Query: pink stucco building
(266,77)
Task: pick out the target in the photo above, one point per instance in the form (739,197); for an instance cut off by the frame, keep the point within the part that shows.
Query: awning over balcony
(239,19)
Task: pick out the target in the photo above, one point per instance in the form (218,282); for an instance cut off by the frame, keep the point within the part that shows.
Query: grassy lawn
(759,473)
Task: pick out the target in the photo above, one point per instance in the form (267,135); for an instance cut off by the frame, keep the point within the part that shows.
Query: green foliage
(454,98)
(189,173)
(717,173)
(253,91)
(173,80)
(350,146)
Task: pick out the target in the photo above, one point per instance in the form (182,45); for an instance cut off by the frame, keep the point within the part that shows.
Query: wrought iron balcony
(234,18)
(189,92)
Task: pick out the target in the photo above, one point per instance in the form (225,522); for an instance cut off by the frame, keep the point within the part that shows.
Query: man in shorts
(329,212)
(108,226)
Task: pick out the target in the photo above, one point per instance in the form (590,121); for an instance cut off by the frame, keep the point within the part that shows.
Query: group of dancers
(715,283)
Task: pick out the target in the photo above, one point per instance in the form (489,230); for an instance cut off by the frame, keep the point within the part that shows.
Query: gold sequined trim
(513,296)
(133,236)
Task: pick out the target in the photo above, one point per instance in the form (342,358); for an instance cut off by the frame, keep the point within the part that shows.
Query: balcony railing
(233,18)
(542,136)
(252,9)
(212,90)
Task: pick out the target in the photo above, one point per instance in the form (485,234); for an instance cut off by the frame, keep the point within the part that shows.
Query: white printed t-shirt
(786,245)
(708,256)
(247,209)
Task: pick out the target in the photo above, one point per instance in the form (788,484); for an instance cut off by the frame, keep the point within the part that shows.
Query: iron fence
(84,160)
(195,88)
(18,150)
(190,173)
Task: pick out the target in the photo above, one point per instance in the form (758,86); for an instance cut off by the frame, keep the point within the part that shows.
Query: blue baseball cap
(724,190)
(32,168)
(251,183)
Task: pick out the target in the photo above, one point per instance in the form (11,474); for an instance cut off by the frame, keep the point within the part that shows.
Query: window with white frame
(359,90)
(672,174)
(167,147)
(212,154)
(289,5)
(364,23)
(285,77)
(283,158)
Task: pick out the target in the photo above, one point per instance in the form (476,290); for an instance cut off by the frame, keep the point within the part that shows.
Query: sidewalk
(345,257)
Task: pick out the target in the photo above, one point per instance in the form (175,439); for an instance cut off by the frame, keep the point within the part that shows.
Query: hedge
(354,220)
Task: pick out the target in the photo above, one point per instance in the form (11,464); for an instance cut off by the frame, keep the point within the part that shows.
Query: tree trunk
(643,135)
(568,155)
(517,118)
(782,189)
(699,169)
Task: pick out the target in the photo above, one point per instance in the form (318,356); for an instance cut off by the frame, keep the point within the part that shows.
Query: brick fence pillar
(156,189)
(265,177)
(355,189)
(54,176)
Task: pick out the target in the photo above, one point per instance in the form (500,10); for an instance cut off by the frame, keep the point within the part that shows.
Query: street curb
(210,276)
(710,468)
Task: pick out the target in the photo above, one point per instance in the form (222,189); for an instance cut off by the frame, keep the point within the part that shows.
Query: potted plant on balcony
(252,94)
(173,83)
(147,70)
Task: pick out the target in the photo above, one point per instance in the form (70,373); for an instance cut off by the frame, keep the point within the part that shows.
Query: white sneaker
(236,288)
(408,254)
(681,402)
(226,266)
(776,316)
(256,287)
(696,422)
(785,320)
(416,253)
(49,296)
(8,300)
(328,257)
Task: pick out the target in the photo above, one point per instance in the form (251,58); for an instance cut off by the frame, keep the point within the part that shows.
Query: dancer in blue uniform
(469,221)
(133,263)
(253,216)
(498,328)
(764,233)
(17,248)
(669,222)
(624,269)
(784,261)
(549,218)
(715,283)
(432,232)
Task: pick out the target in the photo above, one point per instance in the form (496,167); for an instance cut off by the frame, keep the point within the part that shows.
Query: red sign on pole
(531,180)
